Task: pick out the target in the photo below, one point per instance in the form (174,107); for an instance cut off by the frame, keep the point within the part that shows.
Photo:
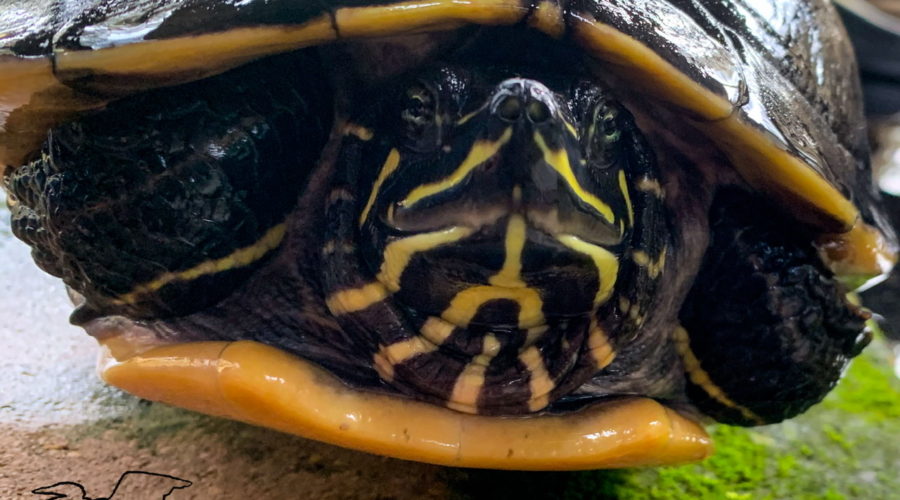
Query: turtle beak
(261,385)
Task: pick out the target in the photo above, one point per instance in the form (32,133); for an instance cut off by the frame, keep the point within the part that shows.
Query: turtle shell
(771,84)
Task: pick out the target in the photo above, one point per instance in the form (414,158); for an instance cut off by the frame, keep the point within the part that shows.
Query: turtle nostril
(510,108)
(537,111)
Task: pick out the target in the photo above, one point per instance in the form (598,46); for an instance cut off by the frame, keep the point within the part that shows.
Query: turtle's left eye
(418,116)
(602,135)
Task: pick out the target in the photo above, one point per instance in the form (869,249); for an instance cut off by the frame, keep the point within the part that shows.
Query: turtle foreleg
(767,330)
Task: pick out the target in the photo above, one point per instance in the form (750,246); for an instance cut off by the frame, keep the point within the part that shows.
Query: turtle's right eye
(418,117)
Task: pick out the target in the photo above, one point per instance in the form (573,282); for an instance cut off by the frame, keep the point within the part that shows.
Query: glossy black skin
(735,50)
(166,180)
(766,304)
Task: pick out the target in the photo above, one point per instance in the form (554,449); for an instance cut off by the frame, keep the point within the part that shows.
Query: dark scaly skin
(161,182)
(769,323)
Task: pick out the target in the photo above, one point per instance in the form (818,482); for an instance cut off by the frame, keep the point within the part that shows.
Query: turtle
(517,234)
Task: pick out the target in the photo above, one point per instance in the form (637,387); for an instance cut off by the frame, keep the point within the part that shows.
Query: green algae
(846,447)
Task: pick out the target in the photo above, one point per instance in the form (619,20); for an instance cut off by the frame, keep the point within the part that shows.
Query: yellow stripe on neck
(241,257)
(605,261)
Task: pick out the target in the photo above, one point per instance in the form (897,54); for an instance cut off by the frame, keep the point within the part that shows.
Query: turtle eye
(602,137)
(419,109)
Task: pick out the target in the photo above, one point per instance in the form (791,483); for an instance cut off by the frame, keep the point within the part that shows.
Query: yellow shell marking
(237,259)
(481,151)
(760,161)
(606,262)
(559,161)
(390,165)
(548,18)
(469,383)
(701,379)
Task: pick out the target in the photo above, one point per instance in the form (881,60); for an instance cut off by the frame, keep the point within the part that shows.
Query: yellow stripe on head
(559,161)
(481,151)
(390,165)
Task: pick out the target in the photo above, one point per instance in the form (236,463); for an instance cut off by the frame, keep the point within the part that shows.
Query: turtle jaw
(262,385)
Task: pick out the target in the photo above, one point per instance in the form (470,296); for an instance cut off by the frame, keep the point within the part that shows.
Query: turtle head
(494,207)
(511,182)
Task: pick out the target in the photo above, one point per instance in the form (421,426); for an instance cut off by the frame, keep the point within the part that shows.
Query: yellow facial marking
(392,355)
(466,303)
(605,261)
(559,161)
(701,379)
(510,276)
(235,260)
(481,151)
(571,129)
(465,119)
(471,380)
(398,253)
(623,186)
(600,348)
(540,382)
(390,165)
(358,131)
(356,299)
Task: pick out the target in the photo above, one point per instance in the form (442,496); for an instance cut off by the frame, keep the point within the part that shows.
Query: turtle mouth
(553,218)
(262,385)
